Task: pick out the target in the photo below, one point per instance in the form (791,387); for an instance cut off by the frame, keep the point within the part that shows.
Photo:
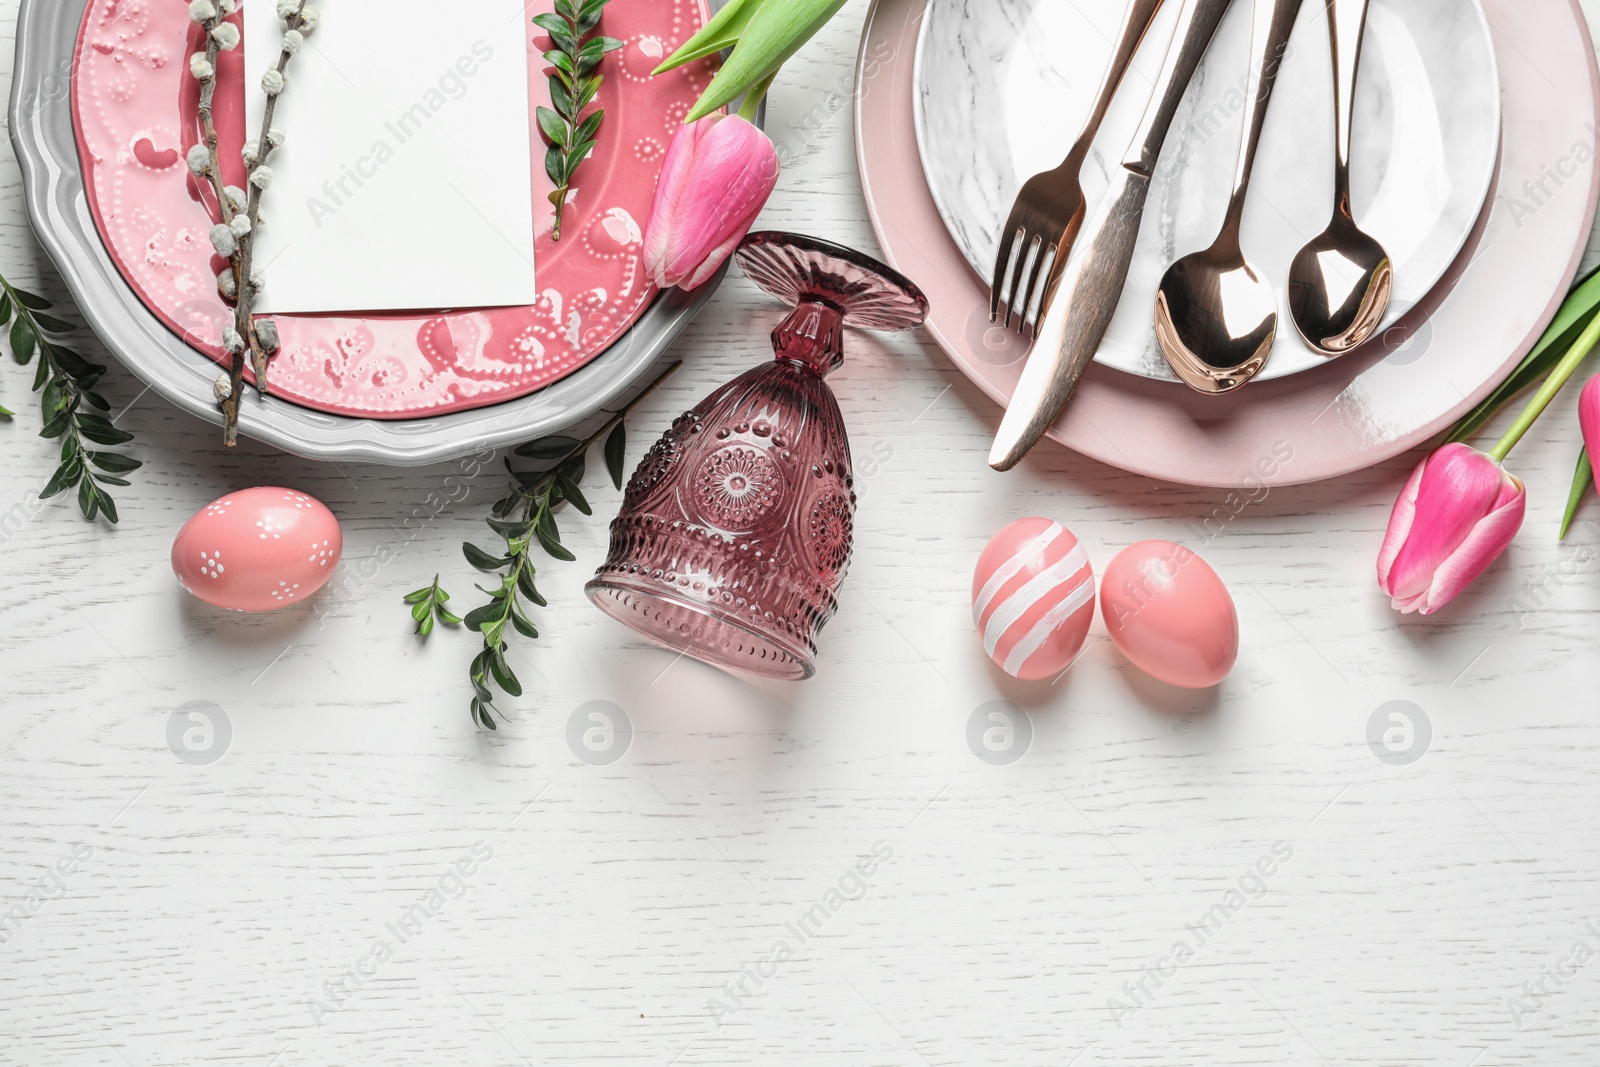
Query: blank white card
(405,180)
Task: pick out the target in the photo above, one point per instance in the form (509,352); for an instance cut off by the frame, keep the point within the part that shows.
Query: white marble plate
(1003,86)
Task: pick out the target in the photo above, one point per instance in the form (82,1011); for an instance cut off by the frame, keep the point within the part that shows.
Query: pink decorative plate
(1418,378)
(134,115)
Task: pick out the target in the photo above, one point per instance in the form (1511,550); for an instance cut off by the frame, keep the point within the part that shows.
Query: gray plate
(43,139)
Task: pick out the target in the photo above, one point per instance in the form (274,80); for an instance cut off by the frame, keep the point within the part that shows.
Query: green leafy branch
(572,89)
(68,402)
(525,518)
(428,606)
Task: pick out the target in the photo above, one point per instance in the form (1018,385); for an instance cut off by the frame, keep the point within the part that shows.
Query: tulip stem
(751,106)
(1552,385)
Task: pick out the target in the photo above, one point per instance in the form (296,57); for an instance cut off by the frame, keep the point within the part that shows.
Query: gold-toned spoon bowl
(1339,287)
(1216,318)
(1340,283)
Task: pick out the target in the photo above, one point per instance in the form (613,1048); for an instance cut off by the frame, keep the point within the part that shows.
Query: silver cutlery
(1216,317)
(1090,288)
(1038,236)
(1339,284)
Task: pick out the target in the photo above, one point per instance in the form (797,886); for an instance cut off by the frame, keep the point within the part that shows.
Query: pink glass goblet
(735,531)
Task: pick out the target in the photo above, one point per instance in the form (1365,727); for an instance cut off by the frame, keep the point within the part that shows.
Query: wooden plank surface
(770,874)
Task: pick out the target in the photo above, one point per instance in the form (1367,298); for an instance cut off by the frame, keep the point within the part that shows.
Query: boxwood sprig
(428,607)
(524,518)
(573,85)
(72,410)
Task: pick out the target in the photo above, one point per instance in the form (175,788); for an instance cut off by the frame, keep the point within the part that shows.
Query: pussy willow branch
(239,211)
(226,210)
(244,320)
(208,94)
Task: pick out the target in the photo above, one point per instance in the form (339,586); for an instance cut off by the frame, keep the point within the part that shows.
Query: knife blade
(1090,288)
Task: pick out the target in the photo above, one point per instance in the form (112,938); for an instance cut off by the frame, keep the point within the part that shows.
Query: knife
(1090,288)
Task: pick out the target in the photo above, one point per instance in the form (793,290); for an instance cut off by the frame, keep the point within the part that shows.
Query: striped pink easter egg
(1033,598)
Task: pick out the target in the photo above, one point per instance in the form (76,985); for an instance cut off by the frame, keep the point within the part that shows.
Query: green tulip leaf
(776,32)
(1582,479)
(723,31)
(1575,314)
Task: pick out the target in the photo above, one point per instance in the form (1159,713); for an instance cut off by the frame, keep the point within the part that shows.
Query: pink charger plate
(134,108)
(1390,396)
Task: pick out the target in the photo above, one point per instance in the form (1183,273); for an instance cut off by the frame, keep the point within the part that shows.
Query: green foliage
(573,86)
(428,606)
(68,402)
(1582,479)
(1580,308)
(1576,315)
(723,31)
(774,32)
(523,519)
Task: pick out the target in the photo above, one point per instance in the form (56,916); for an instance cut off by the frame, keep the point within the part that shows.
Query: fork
(1050,208)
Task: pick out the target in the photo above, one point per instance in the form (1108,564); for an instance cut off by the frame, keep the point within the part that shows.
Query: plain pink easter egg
(1170,614)
(1033,598)
(258,549)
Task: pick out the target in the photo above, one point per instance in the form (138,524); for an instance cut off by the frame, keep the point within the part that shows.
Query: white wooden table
(1162,877)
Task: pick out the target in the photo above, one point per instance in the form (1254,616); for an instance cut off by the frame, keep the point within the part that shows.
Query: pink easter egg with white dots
(1033,598)
(258,549)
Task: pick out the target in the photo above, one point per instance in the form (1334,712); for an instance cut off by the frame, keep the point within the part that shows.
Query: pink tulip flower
(715,180)
(1458,512)
(1589,418)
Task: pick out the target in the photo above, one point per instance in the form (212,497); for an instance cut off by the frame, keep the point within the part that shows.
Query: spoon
(1339,284)
(1216,318)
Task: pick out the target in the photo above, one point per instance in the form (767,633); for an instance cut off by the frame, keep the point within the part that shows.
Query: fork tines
(1020,294)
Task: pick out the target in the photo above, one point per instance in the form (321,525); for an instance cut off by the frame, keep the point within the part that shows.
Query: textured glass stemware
(736,528)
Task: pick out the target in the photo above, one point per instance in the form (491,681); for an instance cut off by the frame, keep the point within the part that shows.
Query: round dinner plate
(173,363)
(1412,381)
(1003,88)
